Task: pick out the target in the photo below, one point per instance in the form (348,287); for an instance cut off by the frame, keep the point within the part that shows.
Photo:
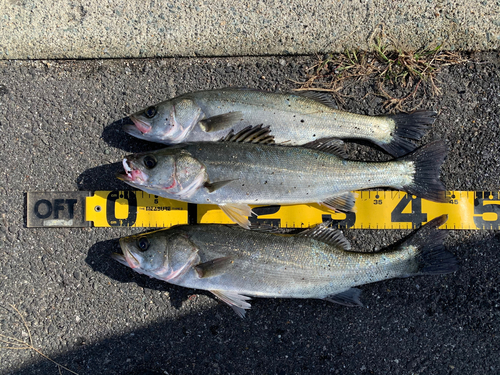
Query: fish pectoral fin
(220,122)
(238,212)
(332,146)
(213,267)
(350,297)
(251,134)
(237,301)
(342,202)
(330,236)
(213,186)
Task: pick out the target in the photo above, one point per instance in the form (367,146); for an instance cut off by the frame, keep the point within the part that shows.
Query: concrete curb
(65,29)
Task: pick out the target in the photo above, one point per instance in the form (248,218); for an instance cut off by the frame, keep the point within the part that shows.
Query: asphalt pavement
(60,131)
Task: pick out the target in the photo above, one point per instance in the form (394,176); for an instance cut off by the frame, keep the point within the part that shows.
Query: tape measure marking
(372,210)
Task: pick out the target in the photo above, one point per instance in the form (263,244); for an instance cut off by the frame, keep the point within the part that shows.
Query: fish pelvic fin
(407,125)
(427,162)
(237,301)
(350,298)
(238,212)
(431,258)
(220,122)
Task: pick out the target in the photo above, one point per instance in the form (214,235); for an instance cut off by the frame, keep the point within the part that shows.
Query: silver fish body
(295,119)
(236,264)
(235,175)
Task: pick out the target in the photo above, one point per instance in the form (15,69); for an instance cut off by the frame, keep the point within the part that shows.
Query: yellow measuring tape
(372,210)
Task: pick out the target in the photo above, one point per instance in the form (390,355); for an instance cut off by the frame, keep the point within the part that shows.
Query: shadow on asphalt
(114,136)
(92,179)
(406,319)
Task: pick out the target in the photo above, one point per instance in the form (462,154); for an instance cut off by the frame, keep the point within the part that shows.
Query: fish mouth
(127,258)
(132,174)
(120,258)
(140,125)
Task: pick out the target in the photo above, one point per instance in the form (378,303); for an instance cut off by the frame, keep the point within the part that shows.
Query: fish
(236,264)
(294,119)
(237,173)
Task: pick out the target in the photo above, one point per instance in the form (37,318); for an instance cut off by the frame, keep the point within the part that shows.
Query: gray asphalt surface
(60,130)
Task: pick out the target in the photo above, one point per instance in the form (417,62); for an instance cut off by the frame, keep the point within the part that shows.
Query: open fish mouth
(132,130)
(120,258)
(131,174)
(140,126)
(127,258)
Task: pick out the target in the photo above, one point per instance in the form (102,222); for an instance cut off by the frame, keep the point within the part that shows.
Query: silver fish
(295,119)
(236,264)
(235,175)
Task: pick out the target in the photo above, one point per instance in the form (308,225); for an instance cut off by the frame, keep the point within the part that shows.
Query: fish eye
(149,161)
(143,243)
(150,112)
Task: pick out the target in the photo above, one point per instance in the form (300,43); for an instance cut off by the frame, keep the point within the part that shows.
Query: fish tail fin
(407,125)
(427,161)
(431,258)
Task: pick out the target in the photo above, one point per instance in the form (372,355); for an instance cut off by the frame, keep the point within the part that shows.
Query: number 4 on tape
(372,210)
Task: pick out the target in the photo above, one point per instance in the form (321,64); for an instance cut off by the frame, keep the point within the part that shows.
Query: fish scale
(236,264)
(269,174)
(234,175)
(294,119)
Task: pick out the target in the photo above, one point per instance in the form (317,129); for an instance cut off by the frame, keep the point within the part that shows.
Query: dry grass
(12,343)
(386,64)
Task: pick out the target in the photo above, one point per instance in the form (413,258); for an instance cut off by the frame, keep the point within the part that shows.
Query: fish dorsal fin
(320,97)
(330,236)
(213,267)
(250,134)
(350,297)
(342,202)
(220,122)
(237,301)
(333,146)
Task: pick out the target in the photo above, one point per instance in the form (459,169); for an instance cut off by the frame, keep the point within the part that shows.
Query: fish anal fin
(332,146)
(238,212)
(342,202)
(237,301)
(350,297)
(213,267)
(330,236)
(220,122)
(213,186)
